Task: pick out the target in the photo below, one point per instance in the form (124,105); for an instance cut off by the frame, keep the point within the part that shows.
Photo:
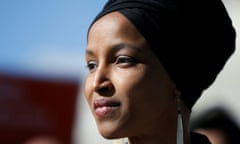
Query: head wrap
(193,39)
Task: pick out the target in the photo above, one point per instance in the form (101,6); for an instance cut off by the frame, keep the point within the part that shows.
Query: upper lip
(105,102)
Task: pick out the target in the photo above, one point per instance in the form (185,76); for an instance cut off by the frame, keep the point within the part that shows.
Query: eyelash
(125,60)
(121,61)
(91,65)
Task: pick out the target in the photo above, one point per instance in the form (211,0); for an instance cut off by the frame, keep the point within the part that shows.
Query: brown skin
(123,69)
(215,135)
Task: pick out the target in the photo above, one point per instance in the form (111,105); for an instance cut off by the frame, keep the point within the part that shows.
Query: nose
(102,83)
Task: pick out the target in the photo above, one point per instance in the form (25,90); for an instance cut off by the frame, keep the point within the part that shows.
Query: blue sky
(45,36)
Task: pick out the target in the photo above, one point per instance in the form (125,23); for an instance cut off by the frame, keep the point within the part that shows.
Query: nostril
(106,90)
(103,90)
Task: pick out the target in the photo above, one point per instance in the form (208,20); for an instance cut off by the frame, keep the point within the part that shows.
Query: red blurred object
(31,107)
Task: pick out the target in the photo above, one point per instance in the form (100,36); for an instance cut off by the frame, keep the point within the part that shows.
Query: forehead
(111,21)
(111,30)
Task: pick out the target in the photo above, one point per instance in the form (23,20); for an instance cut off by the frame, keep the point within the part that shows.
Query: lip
(105,108)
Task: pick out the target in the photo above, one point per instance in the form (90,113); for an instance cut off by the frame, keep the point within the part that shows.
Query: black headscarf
(193,39)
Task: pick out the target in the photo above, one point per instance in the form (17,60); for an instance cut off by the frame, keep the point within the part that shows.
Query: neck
(167,134)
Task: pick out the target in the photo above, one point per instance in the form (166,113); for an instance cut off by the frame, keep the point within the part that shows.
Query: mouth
(104,107)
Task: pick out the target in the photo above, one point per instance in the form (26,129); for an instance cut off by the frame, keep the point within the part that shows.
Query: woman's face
(127,88)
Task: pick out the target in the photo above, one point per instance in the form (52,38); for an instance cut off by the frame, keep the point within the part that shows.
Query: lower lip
(105,111)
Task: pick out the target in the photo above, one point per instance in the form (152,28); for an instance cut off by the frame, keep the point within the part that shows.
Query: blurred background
(42,71)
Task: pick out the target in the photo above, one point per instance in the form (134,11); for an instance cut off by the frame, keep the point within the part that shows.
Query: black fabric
(199,139)
(196,138)
(193,39)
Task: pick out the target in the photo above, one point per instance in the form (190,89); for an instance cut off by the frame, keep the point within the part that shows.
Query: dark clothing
(199,139)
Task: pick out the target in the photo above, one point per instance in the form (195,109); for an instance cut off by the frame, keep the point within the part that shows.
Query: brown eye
(91,65)
(126,61)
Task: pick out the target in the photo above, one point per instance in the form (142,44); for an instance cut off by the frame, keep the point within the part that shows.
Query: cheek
(127,80)
(143,86)
(87,89)
(132,85)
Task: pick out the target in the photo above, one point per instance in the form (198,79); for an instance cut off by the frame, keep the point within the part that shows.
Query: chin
(109,135)
(109,132)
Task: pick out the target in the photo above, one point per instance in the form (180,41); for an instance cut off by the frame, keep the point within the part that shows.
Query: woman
(149,61)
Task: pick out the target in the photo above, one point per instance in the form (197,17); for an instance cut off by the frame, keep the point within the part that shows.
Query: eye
(125,61)
(91,65)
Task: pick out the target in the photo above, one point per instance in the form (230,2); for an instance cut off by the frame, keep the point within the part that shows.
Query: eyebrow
(117,47)
(89,52)
(120,46)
